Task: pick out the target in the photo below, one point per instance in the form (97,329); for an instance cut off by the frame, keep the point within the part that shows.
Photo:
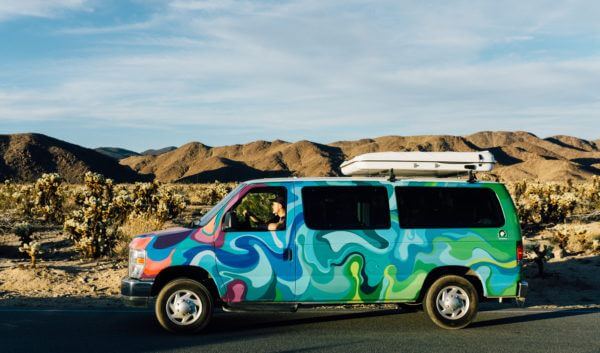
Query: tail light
(519,250)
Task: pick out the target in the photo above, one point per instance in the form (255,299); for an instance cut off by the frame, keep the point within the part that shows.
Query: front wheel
(184,306)
(451,302)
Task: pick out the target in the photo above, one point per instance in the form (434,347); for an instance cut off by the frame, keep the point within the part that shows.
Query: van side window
(448,207)
(257,211)
(346,207)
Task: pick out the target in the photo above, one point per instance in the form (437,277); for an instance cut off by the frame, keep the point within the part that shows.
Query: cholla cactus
(24,231)
(554,202)
(23,199)
(103,207)
(539,254)
(33,250)
(154,199)
(569,239)
(48,199)
(209,194)
(92,226)
(543,203)
(170,205)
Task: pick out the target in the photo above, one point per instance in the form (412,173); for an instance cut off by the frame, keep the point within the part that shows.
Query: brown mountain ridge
(520,155)
(25,157)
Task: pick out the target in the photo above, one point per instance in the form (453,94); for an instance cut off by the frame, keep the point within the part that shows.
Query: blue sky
(146,74)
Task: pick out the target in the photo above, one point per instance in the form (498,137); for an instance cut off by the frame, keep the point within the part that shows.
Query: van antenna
(392,177)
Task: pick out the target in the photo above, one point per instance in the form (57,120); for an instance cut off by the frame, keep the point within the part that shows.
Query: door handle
(287,254)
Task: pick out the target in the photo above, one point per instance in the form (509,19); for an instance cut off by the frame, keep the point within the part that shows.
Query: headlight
(137,261)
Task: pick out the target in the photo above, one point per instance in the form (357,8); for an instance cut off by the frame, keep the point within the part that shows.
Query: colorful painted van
(286,243)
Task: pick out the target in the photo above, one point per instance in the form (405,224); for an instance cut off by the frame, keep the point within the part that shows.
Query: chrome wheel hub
(184,307)
(452,302)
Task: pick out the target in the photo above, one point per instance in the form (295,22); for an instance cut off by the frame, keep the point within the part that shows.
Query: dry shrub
(541,203)
(135,225)
(575,238)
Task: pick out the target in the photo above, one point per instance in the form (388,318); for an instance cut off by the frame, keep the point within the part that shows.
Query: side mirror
(227,222)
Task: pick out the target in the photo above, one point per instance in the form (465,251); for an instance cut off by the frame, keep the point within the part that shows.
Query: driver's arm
(249,216)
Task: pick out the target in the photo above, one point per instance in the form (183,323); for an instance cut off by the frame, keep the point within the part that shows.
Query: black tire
(467,309)
(180,286)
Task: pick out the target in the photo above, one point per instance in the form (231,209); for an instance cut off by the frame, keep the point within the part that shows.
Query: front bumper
(522,290)
(135,292)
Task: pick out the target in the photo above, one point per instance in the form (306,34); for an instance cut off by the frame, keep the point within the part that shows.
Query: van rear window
(437,207)
(346,207)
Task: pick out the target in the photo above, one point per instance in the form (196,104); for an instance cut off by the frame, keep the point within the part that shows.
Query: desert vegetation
(98,216)
(558,218)
(49,221)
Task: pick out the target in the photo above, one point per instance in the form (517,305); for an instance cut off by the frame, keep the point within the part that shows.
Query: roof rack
(409,164)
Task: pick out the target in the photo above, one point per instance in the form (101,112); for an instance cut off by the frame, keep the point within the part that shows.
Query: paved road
(511,330)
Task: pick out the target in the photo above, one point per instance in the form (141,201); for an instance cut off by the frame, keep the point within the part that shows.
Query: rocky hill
(520,155)
(25,157)
(156,152)
(116,152)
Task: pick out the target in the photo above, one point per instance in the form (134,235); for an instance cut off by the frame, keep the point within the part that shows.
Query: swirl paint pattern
(349,266)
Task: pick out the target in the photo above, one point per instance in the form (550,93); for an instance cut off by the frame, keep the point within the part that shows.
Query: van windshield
(213,211)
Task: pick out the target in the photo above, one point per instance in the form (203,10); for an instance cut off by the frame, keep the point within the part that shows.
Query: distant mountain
(196,162)
(574,143)
(116,152)
(158,152)
(25,157)
(520,155)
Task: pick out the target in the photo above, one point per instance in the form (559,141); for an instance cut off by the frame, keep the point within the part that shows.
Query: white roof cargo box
(419,163)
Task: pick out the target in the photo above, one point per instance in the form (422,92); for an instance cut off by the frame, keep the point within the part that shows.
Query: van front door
(254,261)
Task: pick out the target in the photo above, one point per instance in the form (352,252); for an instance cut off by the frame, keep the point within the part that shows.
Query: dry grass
(135,225)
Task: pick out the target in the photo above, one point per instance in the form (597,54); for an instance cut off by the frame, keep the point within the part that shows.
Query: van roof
(350,179)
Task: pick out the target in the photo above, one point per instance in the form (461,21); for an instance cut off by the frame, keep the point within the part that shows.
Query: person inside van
(277,221)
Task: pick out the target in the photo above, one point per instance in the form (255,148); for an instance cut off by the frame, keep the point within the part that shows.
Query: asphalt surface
(508,330)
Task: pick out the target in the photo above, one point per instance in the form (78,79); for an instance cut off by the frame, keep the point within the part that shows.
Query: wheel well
(192,272)
(461,271)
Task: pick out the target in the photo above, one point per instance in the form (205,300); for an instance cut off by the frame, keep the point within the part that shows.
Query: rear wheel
(184,306)
(451,302)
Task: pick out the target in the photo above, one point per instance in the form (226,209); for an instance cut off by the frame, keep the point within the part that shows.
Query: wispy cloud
(129,27)
(10,9)
(322,70)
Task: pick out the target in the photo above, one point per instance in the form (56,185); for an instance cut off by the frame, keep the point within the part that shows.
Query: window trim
(252,190)
(500,225)
(387,205)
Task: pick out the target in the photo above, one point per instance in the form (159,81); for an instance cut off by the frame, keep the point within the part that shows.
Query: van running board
(235,307)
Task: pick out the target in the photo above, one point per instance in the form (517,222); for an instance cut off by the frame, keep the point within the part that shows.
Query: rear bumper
(135,292)
(522,290)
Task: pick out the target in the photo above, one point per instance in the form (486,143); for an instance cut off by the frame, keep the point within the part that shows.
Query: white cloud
(10,9)
(205,5)
(328,70)
(109,29)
